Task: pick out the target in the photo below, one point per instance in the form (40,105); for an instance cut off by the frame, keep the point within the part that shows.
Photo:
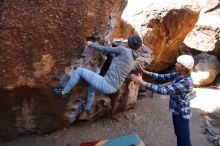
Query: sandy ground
(150,119)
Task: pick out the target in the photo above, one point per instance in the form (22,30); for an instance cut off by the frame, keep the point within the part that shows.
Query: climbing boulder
(163,25)
(40,41)
(205,70)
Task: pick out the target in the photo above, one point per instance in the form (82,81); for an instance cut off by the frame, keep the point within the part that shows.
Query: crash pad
(125,140)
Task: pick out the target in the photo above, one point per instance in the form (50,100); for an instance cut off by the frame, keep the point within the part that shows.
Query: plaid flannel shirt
(179,92)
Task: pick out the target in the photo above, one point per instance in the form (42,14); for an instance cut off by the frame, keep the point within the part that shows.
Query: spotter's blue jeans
(96,83)
(181,129)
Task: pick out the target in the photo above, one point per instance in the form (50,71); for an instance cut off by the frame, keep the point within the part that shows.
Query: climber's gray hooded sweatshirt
(121,65)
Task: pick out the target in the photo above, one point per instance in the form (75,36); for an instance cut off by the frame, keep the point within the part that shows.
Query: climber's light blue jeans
(96,83)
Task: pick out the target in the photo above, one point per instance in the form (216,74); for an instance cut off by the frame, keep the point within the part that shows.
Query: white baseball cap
(186,60)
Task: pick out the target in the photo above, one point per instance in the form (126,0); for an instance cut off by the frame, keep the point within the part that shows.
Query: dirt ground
(150,119)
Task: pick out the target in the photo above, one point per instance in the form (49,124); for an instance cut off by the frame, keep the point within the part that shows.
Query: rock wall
(39,42)
(39,38)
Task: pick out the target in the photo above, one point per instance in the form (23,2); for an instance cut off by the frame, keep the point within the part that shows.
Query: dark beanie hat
(134,42)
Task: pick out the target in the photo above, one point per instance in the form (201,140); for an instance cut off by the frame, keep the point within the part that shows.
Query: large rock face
(163,25)
(39,41)
(40,38)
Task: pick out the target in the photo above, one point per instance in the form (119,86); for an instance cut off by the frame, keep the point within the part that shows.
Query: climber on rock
(121,66)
